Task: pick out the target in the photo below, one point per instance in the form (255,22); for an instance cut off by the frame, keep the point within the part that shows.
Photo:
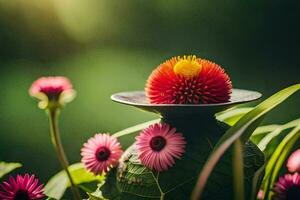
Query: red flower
(188,80)
(21,188)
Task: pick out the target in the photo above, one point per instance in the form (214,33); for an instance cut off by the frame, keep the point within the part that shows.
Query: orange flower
(188,80)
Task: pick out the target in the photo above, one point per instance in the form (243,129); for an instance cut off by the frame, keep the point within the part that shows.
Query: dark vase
(202,131)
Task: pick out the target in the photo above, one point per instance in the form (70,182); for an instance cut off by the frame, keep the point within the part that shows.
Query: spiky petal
(25,187)
(188,80)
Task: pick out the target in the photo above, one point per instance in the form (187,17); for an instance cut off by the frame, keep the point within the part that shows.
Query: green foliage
(242,129)
(134,181)
(277,159)
(133,175)
(135,128)
(97,195)
(276,141)
(256,181)
(238,171)
(58,184)
(233,115)
(6,168)
(275,132)
(262,131)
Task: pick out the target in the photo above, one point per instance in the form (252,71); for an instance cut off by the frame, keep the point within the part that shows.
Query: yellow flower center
(187,67)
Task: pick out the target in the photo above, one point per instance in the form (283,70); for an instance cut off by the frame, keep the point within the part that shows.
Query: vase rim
(138,99)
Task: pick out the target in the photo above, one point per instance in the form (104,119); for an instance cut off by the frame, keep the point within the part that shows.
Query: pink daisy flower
(56,89)
(288,187)
(159,145)
(22,188)
(293,163)
(100,153)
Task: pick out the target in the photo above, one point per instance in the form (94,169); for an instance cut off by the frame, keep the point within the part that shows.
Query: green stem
(56,141)
(162,194)
(238,171)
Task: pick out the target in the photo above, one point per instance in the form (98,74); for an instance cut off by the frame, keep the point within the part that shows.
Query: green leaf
(232,116)
(5,168)
(256,181)
(58,184)
(135,128)
(238,171)
(133,174)
(97,195)
(242,129)
(263,130)
(135,182)
(110,189)
(267,139)
(278,158)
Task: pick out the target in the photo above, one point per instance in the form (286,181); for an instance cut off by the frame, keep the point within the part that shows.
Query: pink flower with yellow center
(288,187)
(22,188)
(100,153)
(53,90)
(159,145)
(188,80)
(293,163)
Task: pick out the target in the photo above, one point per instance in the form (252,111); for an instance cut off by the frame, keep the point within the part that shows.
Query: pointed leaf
(267,139)
(231,116)
(263,130)
(242,129)
(97,195)
(135,128)
(58,184)
(256,181)
(5,168)
(238,171)
(278,158)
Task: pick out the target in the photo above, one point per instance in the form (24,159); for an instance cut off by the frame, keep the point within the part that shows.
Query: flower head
(22,188)
(188,80)
(159,145)
(260,194)
(52,91)
(100,153)
(288,187)
(293,163)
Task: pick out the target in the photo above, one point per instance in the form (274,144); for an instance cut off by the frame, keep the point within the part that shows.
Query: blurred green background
(111,46)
